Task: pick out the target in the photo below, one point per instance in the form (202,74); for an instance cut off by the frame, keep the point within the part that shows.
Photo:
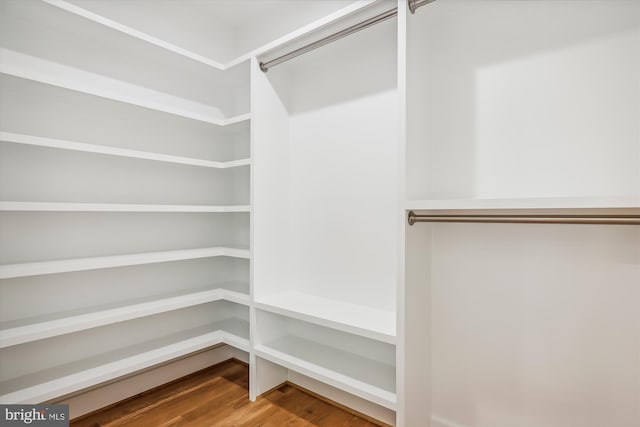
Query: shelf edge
(66,325)
(38,141)
(8,271)
(12,206)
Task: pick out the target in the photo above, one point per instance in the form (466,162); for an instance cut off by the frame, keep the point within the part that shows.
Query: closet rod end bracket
(415,4)
(263,67)
(411,218)
(412,9)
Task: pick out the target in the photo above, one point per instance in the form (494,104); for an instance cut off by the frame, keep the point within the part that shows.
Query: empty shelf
(51,383)
(32,329)
(114,207)
(44,71)
(356,319)
(114,151)
(365,378)
(92,263)
(134,33)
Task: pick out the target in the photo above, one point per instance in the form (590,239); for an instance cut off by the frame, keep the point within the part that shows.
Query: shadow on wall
(544,82)
(357,66)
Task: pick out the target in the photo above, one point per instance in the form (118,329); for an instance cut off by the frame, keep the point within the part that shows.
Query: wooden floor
(218,396)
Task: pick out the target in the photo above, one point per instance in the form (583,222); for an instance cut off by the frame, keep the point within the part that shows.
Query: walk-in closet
(426,212)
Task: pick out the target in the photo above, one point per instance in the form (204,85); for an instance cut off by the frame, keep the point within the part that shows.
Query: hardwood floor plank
(218,396)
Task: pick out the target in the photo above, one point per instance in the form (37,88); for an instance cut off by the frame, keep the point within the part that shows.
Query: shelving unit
(350,363)
(326,221)
(73,128)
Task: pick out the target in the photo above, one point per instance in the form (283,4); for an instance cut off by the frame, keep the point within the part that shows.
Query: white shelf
(32,329)
(356,319)
(91,263)
(134,33)
(527,203)
(113,151)
(365,378)
(113,207)
(55,382)
(48,72)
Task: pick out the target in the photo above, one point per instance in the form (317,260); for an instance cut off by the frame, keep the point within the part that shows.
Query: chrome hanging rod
(413,6)
(264,66)
(529,219)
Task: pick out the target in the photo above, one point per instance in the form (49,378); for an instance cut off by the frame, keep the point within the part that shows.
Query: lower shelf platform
(362,377)
(31,329)
(360,320)
(62,380)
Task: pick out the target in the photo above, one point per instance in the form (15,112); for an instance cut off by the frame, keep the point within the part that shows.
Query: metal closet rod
(413,6)
(529,219)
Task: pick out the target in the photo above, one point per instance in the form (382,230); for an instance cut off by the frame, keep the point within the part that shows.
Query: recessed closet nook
(185,182)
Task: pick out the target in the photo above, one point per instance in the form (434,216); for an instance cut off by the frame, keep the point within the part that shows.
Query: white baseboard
(443,422)
(241,355)
(104,395)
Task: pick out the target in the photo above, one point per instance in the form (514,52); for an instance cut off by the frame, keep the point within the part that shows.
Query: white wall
(526,99)
(536,325)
